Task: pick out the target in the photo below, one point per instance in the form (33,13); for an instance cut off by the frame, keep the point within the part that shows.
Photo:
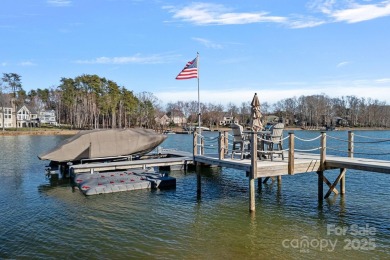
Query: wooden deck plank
(370,165)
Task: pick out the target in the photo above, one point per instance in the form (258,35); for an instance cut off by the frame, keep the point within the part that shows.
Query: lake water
(38,220)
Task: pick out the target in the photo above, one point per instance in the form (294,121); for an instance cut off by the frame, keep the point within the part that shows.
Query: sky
(276,48)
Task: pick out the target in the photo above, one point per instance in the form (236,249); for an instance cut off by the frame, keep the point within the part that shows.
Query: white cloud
(304,22)
(208,44)
(59,3)
(350,11)
(384,80)
(3,64)
(330,11)
(358,13)
(138,59)
(217,14)
(342,64)
(27,64)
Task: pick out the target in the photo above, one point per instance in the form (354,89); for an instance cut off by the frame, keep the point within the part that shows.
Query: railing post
(253,172)
(226,135)
(350,154)
(221,146)
(291,153)
(322,168)
(201,145)
(195,143)
(350,144)
(197,166)
(323,151)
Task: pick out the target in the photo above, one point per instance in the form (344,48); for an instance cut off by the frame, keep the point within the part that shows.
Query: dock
(296,162)
(219,154)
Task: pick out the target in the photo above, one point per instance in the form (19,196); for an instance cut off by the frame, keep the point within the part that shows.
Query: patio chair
(240,140)
(273,142)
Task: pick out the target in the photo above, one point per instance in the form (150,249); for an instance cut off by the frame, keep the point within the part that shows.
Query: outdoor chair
(273,142)
(240,142)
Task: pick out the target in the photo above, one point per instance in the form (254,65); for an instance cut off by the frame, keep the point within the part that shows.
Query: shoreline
(39,132)
(73,132)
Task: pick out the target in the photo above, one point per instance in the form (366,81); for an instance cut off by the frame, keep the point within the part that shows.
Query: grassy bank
(37,131)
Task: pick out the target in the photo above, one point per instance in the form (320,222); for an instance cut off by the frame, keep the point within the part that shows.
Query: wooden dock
(295,163)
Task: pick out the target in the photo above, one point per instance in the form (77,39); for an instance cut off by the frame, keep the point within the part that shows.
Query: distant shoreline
(73,132)
(39,132)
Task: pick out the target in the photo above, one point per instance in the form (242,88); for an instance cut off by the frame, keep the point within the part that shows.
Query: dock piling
(221,146)
(291,153)
(253,173)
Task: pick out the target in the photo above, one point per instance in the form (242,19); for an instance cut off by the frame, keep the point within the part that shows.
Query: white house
(177,119)
(48,117)
(163,120)
(27,117)
(227,120)
(8,118)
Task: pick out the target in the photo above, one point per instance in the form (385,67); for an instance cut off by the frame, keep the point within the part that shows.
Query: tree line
(85,102)
(92,102)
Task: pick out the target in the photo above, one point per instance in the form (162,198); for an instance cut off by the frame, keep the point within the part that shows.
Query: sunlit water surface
(38,220)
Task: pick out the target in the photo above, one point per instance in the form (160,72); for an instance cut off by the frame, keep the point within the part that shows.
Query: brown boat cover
(104,143)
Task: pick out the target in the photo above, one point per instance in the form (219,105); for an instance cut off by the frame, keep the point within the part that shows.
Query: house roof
(29,108)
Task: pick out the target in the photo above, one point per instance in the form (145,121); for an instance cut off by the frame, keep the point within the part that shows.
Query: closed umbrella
(256,115)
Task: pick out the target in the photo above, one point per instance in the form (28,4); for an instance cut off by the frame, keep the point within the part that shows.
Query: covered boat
(104,143)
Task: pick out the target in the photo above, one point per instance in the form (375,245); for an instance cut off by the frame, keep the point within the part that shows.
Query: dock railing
(353,145)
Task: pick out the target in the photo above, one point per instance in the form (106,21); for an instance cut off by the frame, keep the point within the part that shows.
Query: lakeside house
(227,120)
(176,118)
(48,117)
(6,118)
(25,116)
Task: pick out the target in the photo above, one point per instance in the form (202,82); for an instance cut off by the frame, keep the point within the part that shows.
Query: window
(7,113)
(23,115)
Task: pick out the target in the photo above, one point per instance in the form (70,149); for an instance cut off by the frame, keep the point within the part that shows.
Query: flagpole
(199,124)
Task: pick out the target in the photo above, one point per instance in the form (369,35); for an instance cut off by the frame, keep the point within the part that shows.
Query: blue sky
(277,48)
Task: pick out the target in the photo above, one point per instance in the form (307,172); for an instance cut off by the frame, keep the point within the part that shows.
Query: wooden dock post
(350,154)
(322,167)
(350,144)
(198,182)
(201,145)
(221,146)
(197,166)
(226,142)
(195,143)
(253,173)
(291,153)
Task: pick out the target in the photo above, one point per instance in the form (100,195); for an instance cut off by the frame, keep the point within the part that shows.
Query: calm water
(38,220)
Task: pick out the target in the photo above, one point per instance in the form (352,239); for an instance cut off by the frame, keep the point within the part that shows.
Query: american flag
(190,71)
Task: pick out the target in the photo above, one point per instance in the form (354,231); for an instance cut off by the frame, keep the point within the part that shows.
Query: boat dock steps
(173,160)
